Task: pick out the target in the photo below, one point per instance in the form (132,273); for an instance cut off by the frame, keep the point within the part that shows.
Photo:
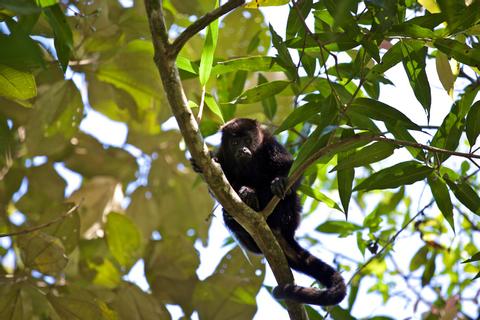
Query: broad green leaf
(400,174)
(419,259)
(465,194)
(20,52)
(265,3)
(61,109)
(255,63)
(445,72)
(377,110)
(46,3)
(213,106)
(342,228)
(186,65)
(414,64)
(16,84)
(23,7)
(367,155)
(261,92)
(123,238)
(208,51)
(442,197)
(300,114)
(63,34)
(473,123)
(319,196)
(42,252)
(411,30)
(132,303)
(77,304)
(67,229)
(460,51)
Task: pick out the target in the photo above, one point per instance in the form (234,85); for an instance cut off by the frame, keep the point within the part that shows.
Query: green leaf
(20,52)
(377,110)
(186,64)
(345,177)
(261,92)
(300,114)
(62,32)
(473,123)
(208,51)
(369,154)
(22,7)
(410,30)
(16,84)
(255,63)
(319,196)
(123,238)
(419,259)
(42,252)
(442,197)
(429,270)
(46,3)
(283,55)
(475,257)
(213,106)
(342,228)
(460,51)
(391,58)
(414,55)
(400,174)
(465,194)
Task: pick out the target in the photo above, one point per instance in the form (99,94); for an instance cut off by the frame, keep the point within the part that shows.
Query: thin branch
(392,240)
(342,144)
(41,226)
(202,23)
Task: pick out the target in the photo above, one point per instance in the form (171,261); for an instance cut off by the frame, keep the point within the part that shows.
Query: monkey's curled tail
(303,261)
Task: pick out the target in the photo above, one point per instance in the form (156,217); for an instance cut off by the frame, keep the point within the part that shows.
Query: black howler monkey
(256,166)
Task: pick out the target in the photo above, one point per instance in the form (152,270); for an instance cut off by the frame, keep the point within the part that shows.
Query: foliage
(320,86)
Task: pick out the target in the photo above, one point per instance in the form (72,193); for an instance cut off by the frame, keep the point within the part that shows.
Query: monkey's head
(240,139)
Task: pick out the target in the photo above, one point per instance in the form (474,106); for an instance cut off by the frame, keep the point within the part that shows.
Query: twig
(202,23)
(392,240)
(331,148)
(40,226)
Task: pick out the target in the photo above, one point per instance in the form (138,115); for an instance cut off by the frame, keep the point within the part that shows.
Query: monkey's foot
(279,187)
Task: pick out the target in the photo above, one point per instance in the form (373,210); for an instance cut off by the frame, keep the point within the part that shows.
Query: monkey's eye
(234,142)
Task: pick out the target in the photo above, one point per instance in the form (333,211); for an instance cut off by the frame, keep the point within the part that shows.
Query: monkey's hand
(279,187)
(249,196)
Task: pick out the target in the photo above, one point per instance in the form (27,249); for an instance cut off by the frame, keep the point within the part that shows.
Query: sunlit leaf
(319,196)
(123,238)
(208,51)
(255,63)
(343,228)
(445,72)
(16,84)
(213,106)
(398,175)
(465,194)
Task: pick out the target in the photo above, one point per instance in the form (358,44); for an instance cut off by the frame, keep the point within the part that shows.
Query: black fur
(256,166)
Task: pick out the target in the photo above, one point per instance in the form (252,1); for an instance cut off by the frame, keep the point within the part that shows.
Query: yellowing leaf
(266,3)
(430,5)
(445,72)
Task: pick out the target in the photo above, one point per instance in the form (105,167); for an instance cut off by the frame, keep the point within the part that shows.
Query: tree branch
(253,222)
(342,144)
(40,226)
(202,23)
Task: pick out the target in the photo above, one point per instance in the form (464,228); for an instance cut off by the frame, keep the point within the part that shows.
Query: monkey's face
(241,147)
